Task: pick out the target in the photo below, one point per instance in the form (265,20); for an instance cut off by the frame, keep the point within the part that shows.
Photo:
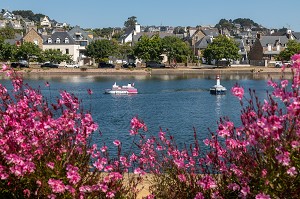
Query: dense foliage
(292,48)
(222,47)
(100,50)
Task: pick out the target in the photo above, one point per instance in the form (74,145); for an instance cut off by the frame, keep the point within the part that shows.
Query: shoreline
(162,71)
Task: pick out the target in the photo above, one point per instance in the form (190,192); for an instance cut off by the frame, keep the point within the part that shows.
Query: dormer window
(67,40)
(57,40)
(49,41)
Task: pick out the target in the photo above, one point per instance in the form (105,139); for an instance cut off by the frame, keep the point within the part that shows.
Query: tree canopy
(176,49)
(7,51)
(148,48)
(55,56)
(292,48)
(100,50)
(28,51)
(222,47)
(131,21)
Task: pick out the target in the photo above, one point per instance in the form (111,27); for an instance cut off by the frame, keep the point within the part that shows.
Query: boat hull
(214,91)
(120,92)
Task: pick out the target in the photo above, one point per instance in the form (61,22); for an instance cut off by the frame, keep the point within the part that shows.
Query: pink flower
(284,83)
(264,173)
(207,182)
(50,165)
(284,158)
(262,196)
(182,178)
(117,142)
(110,195)
(4,67)
(292,171)
(199,195)
(57,186)
(47,84)
(238,92)
(73,174)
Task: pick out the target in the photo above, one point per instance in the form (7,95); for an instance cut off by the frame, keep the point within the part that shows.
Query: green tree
(175,49)
(7,33)
(7,51)
(148,48)
(131,21)
(293,47)
(55,56)
(124,51)
(222,47)
(28,51)
(100,50)
(178,30)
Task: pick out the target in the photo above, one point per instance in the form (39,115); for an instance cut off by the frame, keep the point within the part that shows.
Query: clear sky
(113,13)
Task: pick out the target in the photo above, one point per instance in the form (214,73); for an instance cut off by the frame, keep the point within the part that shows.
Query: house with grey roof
(267,47)
(63,42)
(15,24)
(82,39)
(127,37)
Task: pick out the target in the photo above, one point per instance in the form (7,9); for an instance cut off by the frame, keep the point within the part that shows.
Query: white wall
(73,50)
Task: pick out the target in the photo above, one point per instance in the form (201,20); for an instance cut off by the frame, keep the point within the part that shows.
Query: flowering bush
(259,159)
(45,150)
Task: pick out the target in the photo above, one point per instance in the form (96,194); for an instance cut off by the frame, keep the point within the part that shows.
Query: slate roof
(203,43)
(62,36)
(13,41)
(211,32)
(296,35)
(273,39)
(128,31)
(77,29)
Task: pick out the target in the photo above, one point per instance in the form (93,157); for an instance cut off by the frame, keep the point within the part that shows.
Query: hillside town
(257,45)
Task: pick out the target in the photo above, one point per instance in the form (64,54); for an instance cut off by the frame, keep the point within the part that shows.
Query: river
(174,103)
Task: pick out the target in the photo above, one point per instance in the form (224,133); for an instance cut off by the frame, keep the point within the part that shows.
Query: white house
(45,22)
(63,42)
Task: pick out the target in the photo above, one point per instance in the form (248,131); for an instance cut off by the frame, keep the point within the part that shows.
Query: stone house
(34,37)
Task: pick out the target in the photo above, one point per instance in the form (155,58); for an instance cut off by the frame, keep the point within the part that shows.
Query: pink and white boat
(126,89)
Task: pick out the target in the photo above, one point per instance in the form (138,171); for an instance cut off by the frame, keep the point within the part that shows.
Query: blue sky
(113,13)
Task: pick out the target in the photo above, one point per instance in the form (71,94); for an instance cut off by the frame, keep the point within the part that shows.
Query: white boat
(126,89)
(218,89)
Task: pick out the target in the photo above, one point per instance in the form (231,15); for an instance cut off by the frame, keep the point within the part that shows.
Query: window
(49,41)
(57,40)
(36,42)
(67,40)
(67,51)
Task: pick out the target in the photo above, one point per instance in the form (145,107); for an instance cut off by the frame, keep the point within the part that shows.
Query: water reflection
(90,77)
(218,107)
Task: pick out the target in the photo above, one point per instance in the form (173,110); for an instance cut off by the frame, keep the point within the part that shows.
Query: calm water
(176,103)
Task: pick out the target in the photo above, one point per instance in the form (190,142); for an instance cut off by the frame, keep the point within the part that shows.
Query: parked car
(279,64)
(154,64)
(20,63)
(129,65)
(71,66)
(105,65)
(49,65)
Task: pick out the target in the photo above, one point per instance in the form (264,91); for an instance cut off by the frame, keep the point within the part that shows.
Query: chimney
(289,34)
(258,35)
